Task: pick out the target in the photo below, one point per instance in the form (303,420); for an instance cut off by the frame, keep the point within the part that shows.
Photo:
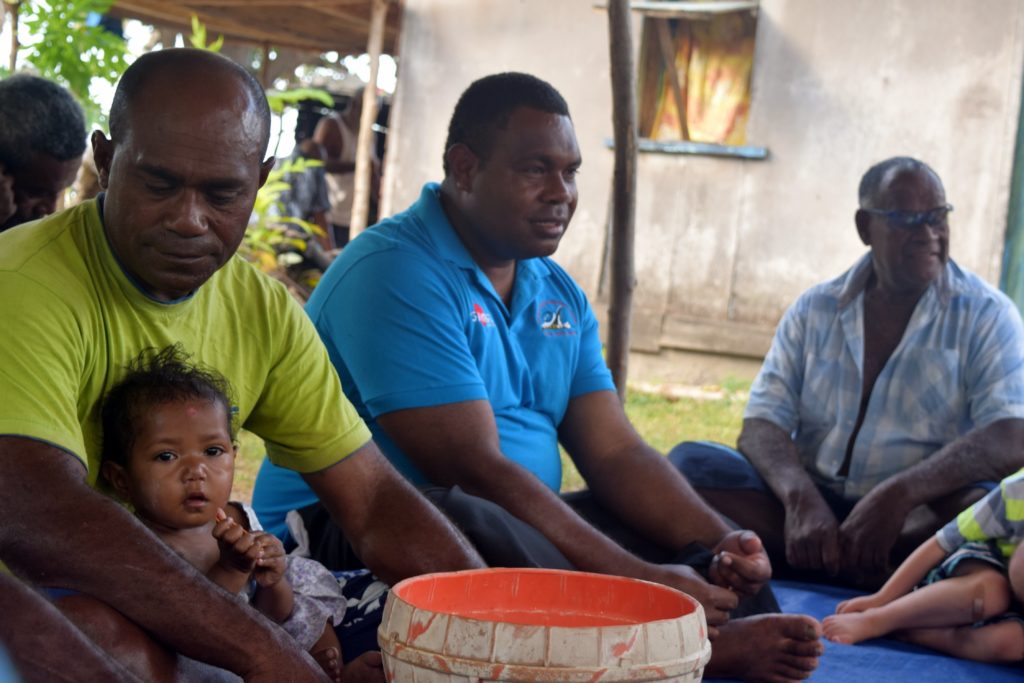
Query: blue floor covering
(882,660)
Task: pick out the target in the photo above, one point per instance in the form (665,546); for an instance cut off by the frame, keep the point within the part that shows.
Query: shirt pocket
(927,389)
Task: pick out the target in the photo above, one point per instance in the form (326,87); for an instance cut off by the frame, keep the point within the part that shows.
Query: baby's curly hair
(155,377)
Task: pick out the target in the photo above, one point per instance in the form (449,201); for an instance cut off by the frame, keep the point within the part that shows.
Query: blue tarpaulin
(881,660)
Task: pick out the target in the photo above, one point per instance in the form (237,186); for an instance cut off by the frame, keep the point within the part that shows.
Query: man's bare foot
(767,648)
(329,660)
(853,627)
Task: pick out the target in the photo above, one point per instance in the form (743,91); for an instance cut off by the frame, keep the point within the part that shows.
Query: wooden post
(265,67)
(361,188)
(12,9)
(623,280)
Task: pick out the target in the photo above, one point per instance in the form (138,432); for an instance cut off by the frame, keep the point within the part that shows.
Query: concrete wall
(724,245)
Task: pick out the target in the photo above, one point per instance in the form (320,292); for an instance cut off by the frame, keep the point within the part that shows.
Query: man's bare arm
(772,452)
(632,479)
(394,530)
(640,487)
(45,646)
(990,453)
(58,531)
(458,444)
(811,532)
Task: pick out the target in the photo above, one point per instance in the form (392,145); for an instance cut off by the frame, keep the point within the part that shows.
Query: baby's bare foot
(329,660)
(768,648)
(853,627)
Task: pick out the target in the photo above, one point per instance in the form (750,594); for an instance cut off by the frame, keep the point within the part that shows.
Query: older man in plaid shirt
(891,399)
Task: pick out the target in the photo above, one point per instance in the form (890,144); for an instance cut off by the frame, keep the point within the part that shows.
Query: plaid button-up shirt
(959,366)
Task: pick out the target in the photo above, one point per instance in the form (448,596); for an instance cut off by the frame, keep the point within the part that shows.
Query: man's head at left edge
(42,139)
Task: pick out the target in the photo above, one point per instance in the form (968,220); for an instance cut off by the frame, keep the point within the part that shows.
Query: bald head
(182,168)
(193,78)
(877,178)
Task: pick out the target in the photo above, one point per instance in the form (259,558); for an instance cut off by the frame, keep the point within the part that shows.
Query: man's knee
(120,637)
(501,538)
(708,465)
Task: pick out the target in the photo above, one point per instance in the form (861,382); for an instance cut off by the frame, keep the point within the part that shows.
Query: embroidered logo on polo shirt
(481,316)
(556,318)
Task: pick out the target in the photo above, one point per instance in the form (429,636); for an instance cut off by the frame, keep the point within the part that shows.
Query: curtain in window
(713,61)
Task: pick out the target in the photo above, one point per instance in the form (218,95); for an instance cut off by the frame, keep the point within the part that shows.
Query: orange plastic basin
(543,597)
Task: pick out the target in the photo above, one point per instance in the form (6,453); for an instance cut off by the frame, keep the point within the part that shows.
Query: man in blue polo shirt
(471,355)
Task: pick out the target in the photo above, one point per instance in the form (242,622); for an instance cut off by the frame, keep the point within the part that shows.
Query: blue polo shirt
(411,321)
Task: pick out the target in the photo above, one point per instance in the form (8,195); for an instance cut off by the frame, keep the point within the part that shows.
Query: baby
(969,581)
(169,451)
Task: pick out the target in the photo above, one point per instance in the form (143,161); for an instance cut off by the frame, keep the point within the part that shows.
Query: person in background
(306,196)
(42,139)
(339,133)
(892,397)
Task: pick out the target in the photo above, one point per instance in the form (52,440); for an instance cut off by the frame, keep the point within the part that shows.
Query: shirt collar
(856,279)
(441,231)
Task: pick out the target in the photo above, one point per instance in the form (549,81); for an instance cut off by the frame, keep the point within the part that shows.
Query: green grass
(662,420)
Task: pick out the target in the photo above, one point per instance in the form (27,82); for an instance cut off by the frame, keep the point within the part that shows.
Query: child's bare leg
(978,593)
(327,653)
(999,643)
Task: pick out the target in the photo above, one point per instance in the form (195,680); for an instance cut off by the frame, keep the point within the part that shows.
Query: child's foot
(329,660)
(852,627)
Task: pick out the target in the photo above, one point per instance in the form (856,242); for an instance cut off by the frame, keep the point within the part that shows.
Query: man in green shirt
(150,263)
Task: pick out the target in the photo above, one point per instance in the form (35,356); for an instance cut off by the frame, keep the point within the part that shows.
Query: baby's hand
(238,548)
(271,564)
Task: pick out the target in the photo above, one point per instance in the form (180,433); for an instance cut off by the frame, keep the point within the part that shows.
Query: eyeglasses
(911,220)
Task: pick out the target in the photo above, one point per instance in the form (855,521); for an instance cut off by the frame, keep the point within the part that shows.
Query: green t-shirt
(71,320)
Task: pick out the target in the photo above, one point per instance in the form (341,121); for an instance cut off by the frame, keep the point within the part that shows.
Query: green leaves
(269,233)
(198,37)
(278,99)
